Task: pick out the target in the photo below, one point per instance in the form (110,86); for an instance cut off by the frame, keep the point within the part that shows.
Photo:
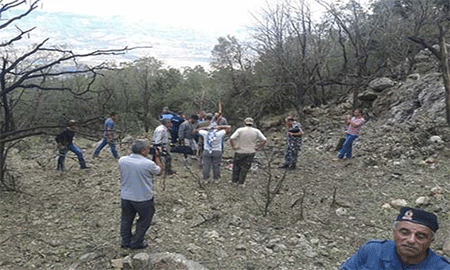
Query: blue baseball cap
(419,216)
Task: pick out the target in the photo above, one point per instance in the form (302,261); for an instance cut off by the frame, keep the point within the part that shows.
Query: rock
(436,139)
(414,77)
(398,203)
(127,263)
(379,84)
(127,139)
(279,247)
(177,260)
(141,261)
(437,192)
(89,256)
(422,201)
(386,206)
(368,95)
(341,211)
(117,263)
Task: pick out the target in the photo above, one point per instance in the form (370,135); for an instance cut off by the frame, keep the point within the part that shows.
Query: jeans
(213,160)
(241,165)
(112,145)
(74,149)
(146,210)
(347,147)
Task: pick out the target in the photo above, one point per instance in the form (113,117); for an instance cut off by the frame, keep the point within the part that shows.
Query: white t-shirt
(212,139)
(246,138)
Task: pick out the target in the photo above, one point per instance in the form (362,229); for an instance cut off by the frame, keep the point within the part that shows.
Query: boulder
(379,84)
(368,95)
(398,203)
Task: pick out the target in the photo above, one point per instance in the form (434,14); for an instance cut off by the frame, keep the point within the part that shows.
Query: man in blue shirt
(414,231)
(137,173)
(108,136)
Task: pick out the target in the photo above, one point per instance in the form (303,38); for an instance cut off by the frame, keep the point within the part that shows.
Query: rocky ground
(320,215)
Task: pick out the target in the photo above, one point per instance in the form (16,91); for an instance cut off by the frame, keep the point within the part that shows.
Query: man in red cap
(414,231)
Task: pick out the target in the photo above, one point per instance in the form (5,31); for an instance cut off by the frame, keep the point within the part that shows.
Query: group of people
(413,232)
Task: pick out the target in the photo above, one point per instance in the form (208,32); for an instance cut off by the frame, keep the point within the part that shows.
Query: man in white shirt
(161,140)
(245,141)
(212,150)
(137,173)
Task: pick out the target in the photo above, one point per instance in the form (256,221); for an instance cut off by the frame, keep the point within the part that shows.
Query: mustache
(408,246)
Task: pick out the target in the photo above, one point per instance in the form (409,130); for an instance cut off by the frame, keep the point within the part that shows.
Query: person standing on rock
(245,141)
(413,232)
(65,144)
(294,143)
(353,131)
(108,136)
(137,173)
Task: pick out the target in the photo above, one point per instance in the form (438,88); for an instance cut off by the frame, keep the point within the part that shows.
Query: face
(168,124)
(145,151)
(357,113)
(412,241)
(289,122)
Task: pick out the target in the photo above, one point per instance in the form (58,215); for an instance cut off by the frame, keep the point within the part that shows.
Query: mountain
(176,47)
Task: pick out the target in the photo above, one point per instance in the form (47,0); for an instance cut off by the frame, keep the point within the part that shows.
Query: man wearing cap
(65,144)
(245,141)
(413,232)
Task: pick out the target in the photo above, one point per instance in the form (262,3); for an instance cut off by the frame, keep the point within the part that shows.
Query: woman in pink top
(354,125)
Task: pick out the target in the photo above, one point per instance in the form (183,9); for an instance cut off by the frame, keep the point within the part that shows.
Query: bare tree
(35,70)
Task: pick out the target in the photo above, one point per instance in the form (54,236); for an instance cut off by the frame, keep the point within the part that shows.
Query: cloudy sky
(181,32)
(205,15)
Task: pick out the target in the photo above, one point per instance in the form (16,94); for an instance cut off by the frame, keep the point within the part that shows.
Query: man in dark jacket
(65,144)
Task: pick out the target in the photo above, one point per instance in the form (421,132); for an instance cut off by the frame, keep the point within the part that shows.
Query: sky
(203,15)
(203,21)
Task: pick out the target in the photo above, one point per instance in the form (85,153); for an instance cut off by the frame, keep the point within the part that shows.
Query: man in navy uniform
(414,231)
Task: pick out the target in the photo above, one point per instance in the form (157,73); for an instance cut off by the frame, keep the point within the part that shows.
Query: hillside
(71,220)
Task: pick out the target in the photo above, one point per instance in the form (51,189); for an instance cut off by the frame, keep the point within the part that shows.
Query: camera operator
(137,173)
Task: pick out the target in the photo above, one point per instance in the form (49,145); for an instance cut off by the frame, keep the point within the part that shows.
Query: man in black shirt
(65,144)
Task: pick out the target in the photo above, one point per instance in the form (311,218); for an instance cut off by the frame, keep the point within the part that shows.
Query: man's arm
(157,160)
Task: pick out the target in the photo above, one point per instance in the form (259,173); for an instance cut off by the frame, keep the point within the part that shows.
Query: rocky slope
(322,213)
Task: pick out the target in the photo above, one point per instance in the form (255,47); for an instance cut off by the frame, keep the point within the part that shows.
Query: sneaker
(292,167)
(170,172)
(285,166)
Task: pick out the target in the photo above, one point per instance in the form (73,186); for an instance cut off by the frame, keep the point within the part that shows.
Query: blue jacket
(378,255)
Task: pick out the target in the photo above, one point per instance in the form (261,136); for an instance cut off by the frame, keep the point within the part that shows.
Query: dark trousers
(146,210)
(241,165)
